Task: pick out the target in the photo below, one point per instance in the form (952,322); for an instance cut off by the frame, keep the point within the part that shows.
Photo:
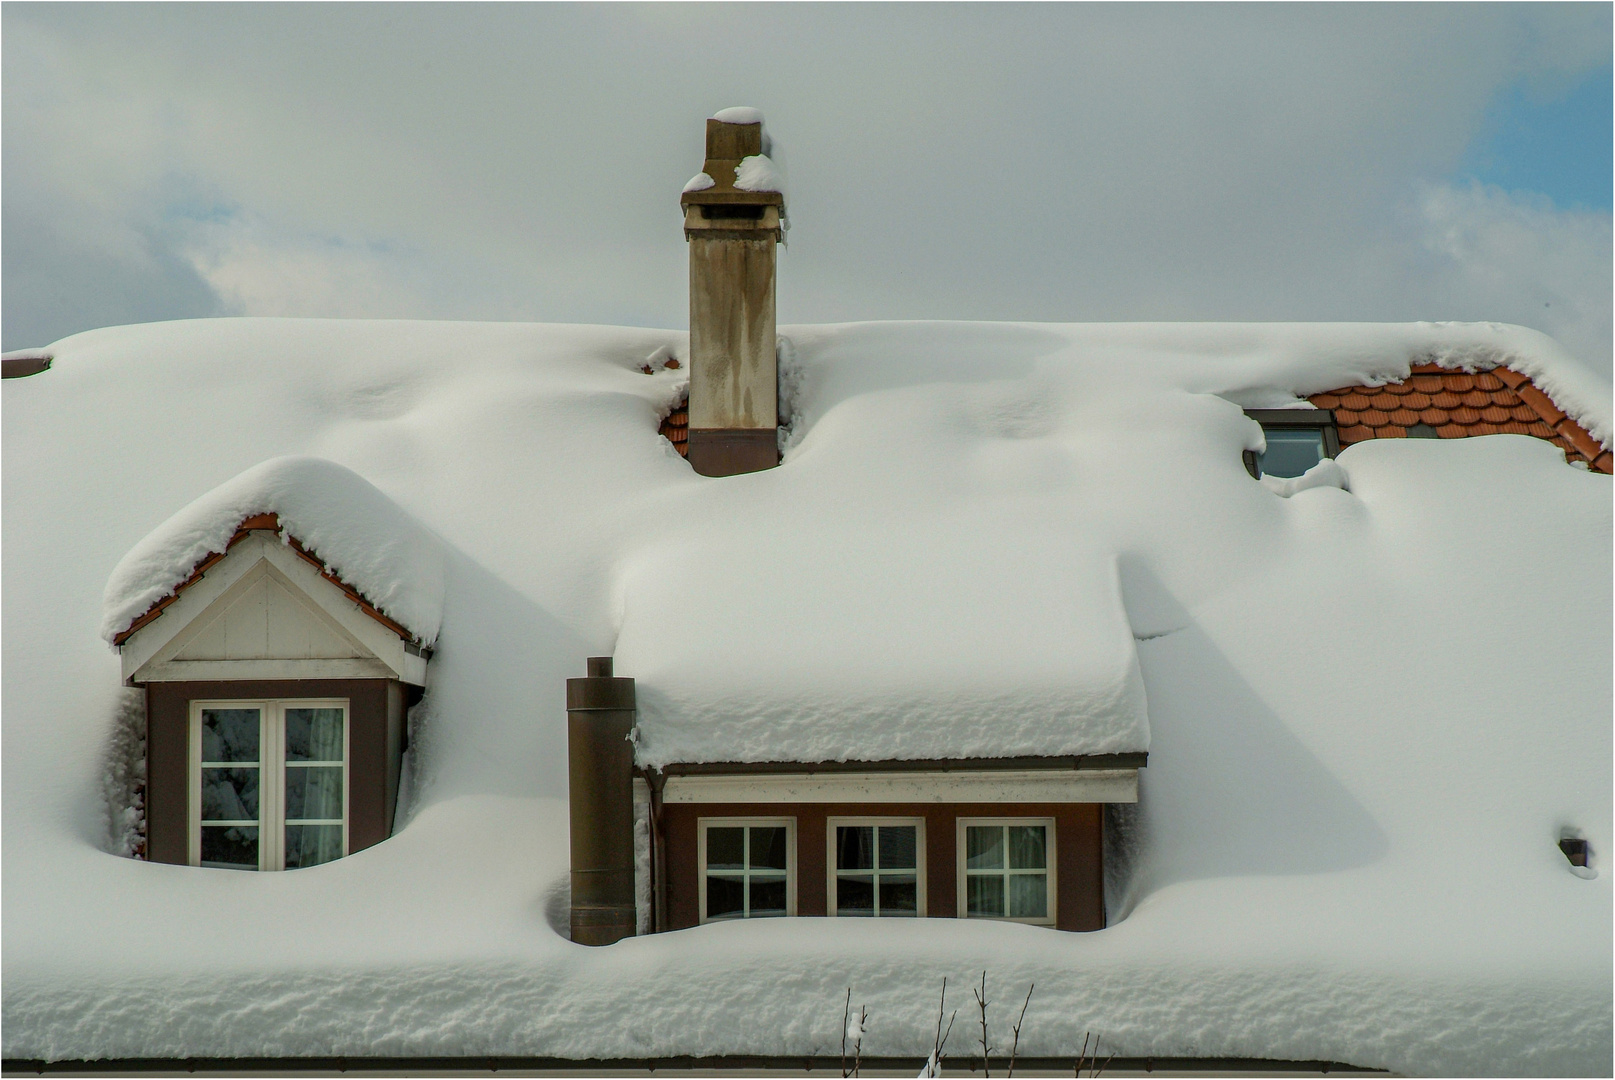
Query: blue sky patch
(1559,147)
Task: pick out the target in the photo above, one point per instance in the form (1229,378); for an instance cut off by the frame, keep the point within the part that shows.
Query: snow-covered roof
(1371,711)
(362,537)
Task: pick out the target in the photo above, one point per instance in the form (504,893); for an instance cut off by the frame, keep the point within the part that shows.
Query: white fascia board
(243,670)
(168,629)
(985,786)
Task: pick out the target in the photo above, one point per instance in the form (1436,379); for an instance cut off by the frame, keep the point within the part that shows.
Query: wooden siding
(375,710)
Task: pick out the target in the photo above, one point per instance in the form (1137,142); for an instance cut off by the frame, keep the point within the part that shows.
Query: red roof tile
(1459,404)
(676,429)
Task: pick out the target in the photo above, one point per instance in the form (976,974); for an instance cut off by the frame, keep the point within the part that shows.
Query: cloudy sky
(1050,162)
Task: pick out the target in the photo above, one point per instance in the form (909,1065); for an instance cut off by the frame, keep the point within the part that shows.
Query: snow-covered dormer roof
(356,539)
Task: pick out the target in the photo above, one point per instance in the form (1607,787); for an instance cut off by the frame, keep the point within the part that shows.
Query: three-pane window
(1005,870)
(747,868)
(269,783)
(877,867)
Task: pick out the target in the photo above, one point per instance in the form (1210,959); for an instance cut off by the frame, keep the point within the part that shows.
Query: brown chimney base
(600,713)
(730,451)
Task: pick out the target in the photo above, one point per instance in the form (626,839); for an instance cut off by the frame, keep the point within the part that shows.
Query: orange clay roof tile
(1589,447)
(1459,404)
(676,429)
(1543,404)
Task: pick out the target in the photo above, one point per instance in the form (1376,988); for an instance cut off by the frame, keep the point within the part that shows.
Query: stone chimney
(732,222)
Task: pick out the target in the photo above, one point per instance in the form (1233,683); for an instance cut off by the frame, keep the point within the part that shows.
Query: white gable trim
(985,786)
(148,653)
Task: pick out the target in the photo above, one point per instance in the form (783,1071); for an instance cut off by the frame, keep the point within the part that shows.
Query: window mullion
(274,763)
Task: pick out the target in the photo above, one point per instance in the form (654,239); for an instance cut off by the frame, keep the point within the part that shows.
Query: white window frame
(701,826)
(1051,857)
(271,773)
(830,826)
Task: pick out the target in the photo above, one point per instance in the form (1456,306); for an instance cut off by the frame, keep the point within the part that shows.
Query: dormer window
(1297,439)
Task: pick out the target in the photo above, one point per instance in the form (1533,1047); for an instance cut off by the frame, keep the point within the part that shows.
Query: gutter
(735,1065)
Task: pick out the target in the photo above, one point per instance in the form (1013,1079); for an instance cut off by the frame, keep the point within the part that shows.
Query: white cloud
(1520,259)
(1015,162)
(257,268)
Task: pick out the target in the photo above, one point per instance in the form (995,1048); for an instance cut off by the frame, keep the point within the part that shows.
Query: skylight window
(1297,439)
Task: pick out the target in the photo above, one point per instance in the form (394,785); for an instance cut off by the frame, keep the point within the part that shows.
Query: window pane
(768,847)
(1026,847)
(310,845)
(233,847)
(984,894)
(725,896)
(230,795)
(767,896)
(726,849)
(313,734)
(855,894)
(899,894)
(313,792)
(229,734)
(1028,896)
(984,847)
(855,847)
(1290,451)
(897,847)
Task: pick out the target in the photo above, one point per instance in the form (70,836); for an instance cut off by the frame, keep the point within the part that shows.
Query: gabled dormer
(281,626)
(265,608)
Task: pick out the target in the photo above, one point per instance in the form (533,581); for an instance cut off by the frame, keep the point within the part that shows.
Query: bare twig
(858,1044)
(846,1014)
(1076,1071)
(1094,1069)
(981,1004)
(1016,1044)
(933,1067)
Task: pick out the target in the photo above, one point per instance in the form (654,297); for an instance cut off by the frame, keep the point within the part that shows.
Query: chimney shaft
(600,758)
(733,234)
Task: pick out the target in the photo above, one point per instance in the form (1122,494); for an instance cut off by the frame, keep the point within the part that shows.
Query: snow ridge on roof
(360,534)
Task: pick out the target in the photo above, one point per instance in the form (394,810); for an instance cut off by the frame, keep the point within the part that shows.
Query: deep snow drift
(1372,707)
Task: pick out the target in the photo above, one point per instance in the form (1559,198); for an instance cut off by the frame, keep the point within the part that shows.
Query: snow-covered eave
(270,522)
(1052,763)
(1470,347)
